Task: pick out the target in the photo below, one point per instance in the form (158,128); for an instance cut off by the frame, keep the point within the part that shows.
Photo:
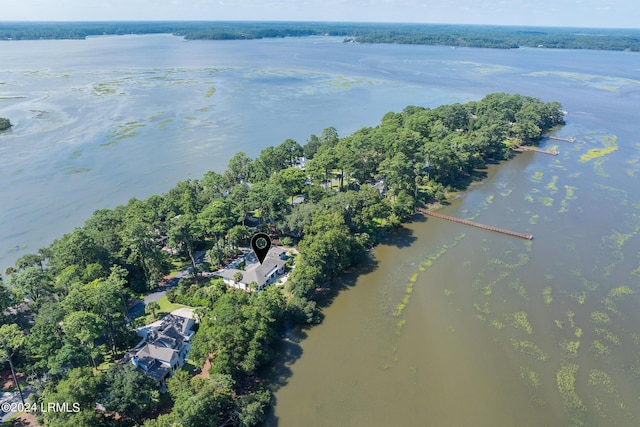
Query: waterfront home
(256,276)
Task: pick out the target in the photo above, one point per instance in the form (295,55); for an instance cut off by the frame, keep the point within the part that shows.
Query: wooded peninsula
(484,36)
(67,321)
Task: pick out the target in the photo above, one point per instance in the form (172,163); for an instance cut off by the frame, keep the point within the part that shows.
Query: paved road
(13,398)
(136,307)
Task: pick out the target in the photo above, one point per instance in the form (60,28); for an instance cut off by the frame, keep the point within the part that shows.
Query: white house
(271,269)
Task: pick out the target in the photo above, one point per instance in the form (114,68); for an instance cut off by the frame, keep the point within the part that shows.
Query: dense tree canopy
(503,37)
(72,297)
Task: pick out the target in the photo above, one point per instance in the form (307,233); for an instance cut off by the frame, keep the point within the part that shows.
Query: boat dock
(559,138)
(537,150)
(475,224)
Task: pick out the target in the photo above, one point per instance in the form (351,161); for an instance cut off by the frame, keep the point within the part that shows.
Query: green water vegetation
(546,294)
(519,321)
(569,349)
(607,335)
(530,376)
(610,146)
(4,124)
(566,379)
(73,325)
(599,349)
(530,349)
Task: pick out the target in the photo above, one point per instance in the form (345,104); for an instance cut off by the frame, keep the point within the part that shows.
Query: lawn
(166,307)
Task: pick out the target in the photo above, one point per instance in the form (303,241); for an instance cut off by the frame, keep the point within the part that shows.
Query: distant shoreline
(458,35)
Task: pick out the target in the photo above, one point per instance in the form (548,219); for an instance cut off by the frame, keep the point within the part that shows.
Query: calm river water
(445,325)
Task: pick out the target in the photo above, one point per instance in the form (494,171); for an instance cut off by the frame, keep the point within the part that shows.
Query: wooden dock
(559,138)
(537,150)
(475,224)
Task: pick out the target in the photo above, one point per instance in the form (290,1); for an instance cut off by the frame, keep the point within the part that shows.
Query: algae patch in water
(602,381)
(608,335)
(530,349)
(519,321)
(552,185)
(496,324)
(529,376)
(610,145)
(620,292)
(547,201)
(599,349)
(566,379)
(546,294)
(519,289)
(569,349)
(210,92)
(600,318)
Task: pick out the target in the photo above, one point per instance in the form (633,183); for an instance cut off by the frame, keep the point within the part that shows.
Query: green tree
(252,408)
(237,277)
(80,386)
(11,340)
(292,181)
(216,218)
(84,328)
(291,151)
(311,147)
(129,392)
(239,169)
(32,283)
(152,308)
(184,234)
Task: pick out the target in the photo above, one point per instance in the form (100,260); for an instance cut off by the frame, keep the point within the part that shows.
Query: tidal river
(444,325)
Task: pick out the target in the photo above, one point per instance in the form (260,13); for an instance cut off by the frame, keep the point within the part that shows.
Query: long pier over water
(475,224)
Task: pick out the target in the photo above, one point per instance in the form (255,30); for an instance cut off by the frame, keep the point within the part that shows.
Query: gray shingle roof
(256,272)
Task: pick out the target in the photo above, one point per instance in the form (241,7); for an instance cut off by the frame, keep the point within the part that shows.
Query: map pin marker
(261,243)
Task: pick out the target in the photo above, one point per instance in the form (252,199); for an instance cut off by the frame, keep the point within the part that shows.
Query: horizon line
(91,21)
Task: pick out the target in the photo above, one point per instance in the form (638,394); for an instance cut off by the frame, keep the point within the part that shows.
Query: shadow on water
(278,372)
(402,237)
(289,350)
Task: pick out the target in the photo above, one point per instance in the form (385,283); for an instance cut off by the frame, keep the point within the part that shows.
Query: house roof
(157,352)
(158,372)
(256,272)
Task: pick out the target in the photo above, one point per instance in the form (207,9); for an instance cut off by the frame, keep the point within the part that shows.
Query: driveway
(136,307)
(13,398)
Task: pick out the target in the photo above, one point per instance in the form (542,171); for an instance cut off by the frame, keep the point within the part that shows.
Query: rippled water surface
(445,325)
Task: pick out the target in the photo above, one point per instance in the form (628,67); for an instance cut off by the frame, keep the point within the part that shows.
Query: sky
(571,13)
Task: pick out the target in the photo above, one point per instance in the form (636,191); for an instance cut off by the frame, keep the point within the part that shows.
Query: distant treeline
(501,37)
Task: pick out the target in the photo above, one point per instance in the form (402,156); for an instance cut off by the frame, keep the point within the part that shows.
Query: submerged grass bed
(530,349)
(519,321)
(566,379)
(610,145)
